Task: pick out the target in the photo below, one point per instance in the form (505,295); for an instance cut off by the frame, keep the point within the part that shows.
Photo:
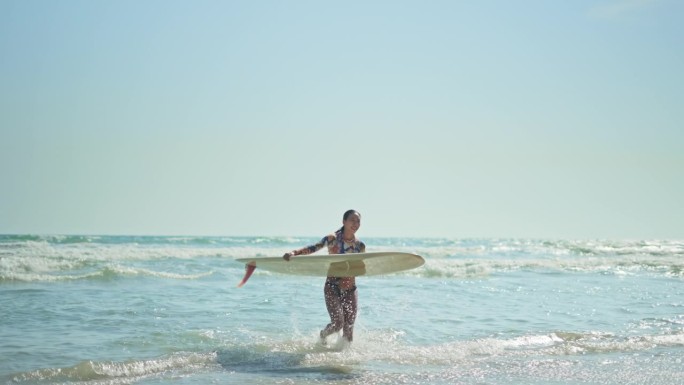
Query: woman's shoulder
(330,237)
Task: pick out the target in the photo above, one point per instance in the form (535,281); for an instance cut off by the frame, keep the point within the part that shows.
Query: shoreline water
(120,310)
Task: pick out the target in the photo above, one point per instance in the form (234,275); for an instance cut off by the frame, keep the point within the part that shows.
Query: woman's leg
(350,301)
(333,303)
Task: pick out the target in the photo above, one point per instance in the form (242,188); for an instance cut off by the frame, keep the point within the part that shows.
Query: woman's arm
(308,249)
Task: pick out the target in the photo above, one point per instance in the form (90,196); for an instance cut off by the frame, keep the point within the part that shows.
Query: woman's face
(352,223)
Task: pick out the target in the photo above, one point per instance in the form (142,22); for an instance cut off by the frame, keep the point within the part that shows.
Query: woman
(340,292)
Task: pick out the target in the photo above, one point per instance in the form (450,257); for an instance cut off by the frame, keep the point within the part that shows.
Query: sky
(456,119)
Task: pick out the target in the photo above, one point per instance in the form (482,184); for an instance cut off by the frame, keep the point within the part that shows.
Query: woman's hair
(346,216)
(348,213)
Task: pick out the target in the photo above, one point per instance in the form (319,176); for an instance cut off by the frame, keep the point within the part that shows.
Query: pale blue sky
(542,119)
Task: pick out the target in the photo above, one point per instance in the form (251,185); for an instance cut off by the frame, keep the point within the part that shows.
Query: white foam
(42,258)
(120,372)
(370,346)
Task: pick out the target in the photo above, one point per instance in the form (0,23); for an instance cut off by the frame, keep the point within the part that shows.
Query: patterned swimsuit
(336,245)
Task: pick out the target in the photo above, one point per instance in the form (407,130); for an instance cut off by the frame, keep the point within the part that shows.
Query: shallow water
(153,310)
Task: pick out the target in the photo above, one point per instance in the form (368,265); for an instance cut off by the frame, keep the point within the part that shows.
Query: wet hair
(346,216)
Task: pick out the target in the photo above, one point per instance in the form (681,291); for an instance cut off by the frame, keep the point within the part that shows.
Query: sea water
(166,310)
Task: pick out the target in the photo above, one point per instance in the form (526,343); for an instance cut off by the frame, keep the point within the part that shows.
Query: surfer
(341,297)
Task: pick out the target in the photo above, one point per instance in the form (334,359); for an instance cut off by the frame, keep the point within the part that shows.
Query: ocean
(166,310)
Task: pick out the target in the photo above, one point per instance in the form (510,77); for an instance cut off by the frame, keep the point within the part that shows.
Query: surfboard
(335,265)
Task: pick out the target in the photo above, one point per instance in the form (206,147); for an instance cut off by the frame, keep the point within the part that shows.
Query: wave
(389,346)
(461,246)
(53,239)
(106,273)
(110,372)
(149,240)
(543,345)
(559,248)
(303,355)
(56,258)
(670,266)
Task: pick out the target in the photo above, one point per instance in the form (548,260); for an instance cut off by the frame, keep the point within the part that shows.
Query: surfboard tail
(249,269)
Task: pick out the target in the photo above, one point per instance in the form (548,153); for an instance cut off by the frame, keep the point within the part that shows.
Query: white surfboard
(335,265)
